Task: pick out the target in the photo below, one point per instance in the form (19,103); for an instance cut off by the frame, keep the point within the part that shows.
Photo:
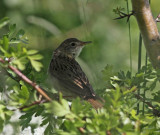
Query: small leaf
(24,94)
(5,43)
(108,72)
(19,64)
(4,22)
(1,125)
(36,57)
(57,109)
(12,28)
(31,52)
(20,34)
(36,65)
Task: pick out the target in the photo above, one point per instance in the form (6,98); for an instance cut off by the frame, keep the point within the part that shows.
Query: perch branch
(27,80)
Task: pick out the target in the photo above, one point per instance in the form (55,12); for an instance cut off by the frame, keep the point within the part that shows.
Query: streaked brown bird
(67,75)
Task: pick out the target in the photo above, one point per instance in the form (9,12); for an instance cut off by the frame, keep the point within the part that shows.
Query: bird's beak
(86,42)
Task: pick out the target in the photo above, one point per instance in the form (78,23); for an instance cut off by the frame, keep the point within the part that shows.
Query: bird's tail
(95,103)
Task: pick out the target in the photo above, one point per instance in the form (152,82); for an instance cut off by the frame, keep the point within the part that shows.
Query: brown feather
(66,74)
(95,103)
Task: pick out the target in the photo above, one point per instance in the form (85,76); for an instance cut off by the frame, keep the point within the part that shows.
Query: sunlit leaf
(31,52)
(36,57)
(58,109)
(36,65)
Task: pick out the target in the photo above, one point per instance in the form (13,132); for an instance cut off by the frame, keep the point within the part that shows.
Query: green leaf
(49,130)
(108,72)
(76,106)
(1,125)
(5,115)
(27,117)
(36,65)
(20,34)
(23,94)
(36,57)
(39,110)
(19,64)
(31,52)
(5,43)
(57,108)
(65,105)
(12,28)
(4,22)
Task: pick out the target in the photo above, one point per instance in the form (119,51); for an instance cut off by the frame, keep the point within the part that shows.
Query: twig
(27,80)
(155,111)
(124,15)
(34,103)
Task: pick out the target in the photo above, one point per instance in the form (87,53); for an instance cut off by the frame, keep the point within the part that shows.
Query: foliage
(118,116)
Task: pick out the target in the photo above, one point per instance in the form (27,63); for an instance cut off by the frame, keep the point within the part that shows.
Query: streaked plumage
(67,75)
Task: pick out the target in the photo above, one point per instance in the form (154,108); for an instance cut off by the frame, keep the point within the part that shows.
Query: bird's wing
(71,76)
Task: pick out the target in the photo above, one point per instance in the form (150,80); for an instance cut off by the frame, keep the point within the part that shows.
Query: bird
(67,76)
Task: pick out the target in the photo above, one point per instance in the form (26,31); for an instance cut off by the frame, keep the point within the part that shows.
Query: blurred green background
(48,22)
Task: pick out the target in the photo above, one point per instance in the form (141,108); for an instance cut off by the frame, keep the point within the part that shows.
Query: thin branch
(155,111)
(34,103)
(27,80)
(124,15)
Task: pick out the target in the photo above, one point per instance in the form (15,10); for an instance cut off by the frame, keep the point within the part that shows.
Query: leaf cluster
(118,116)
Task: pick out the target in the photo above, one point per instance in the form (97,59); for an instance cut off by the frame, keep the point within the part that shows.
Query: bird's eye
(73,44)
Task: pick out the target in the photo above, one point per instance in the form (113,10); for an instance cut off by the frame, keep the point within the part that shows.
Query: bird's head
(71,47)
